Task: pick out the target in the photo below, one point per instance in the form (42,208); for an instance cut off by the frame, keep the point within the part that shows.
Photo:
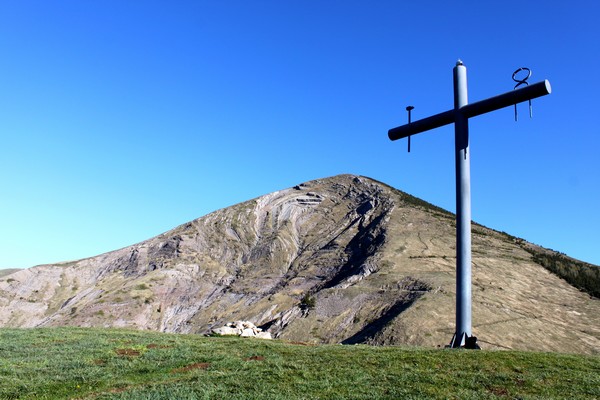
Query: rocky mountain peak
(344,259)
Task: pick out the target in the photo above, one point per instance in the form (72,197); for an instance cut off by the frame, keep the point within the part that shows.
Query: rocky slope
(339,260)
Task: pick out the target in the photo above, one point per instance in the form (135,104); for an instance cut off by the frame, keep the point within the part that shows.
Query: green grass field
(73,363)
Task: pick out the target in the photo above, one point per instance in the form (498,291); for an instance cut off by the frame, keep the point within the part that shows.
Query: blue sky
(123,119)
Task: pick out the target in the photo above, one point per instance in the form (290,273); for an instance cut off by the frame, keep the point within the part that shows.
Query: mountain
(338,260)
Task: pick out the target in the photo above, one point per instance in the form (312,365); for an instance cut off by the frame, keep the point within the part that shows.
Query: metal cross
(460,115)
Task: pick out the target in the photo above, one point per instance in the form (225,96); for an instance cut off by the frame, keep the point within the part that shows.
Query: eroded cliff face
(258,259)
(338,260)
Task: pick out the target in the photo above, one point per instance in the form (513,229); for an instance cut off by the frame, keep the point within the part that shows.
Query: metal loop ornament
(522,82)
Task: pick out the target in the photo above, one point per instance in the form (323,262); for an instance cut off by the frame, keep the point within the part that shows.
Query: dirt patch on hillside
(190,367)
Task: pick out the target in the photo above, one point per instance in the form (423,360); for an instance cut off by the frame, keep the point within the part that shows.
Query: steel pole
(463,209)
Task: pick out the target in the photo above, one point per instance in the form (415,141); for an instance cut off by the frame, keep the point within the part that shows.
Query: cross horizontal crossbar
(472,110)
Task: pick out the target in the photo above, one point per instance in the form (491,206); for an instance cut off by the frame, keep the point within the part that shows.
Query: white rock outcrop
(242,329)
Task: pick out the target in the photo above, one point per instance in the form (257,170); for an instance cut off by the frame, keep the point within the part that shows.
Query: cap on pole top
(459,62)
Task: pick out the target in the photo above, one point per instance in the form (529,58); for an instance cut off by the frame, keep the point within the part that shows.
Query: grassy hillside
(8,271)
(65,363)
(583,276)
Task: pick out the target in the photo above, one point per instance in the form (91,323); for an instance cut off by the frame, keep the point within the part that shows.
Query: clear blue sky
(123,119)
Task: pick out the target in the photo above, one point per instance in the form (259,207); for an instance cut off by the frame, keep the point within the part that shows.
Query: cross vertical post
(460,115)
(463,209)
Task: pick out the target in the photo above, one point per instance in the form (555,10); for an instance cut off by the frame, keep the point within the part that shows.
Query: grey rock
(226,331)
(248,332)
